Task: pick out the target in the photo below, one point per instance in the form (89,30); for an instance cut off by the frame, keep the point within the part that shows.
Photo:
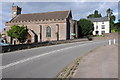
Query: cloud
(79,9)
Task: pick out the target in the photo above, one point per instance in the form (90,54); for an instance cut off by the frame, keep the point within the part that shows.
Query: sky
(79,9)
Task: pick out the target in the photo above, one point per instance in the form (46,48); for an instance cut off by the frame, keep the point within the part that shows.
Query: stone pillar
(40,34)
(76,29)
(71,28)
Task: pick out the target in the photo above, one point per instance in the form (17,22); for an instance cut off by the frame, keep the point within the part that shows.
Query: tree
(0,35)
(86,27)
(117,27)
(95,15)
(109,12)
(18,33)
(119,20)
(112,19)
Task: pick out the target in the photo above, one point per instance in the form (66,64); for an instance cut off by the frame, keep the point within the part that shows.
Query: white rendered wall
(99,24)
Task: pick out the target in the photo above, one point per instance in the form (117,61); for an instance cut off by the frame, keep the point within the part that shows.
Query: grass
(99,36)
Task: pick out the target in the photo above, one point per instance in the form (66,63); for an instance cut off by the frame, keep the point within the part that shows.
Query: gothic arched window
(48,32)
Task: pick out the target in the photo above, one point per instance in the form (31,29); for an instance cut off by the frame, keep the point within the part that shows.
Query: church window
(48,32)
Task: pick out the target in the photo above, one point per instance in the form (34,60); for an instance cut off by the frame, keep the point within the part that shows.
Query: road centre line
(34,57)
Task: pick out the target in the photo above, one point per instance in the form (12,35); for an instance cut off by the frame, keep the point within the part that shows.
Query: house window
(48,32)
(103,26)
(96,27)
(102,32)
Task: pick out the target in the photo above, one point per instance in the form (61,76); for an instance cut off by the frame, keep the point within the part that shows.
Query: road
(44,62)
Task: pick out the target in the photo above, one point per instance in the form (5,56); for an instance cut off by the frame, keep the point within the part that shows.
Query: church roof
(42,16)
(101,19)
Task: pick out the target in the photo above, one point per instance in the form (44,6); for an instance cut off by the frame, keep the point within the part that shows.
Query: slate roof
(42,16)
(101,19)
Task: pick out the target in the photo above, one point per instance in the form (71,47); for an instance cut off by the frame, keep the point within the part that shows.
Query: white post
(114,41)
(109,42)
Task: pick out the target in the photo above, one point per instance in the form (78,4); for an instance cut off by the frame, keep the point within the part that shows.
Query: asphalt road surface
(44,62)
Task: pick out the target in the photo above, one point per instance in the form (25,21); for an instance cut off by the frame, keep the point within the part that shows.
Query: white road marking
(34,57)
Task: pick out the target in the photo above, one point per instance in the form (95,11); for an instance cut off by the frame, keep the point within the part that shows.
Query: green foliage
(109,12)
(119,20)
(18,33)
(112,19)
(0,35)
(99,36)
(116,28)
(95,15)
(86,27)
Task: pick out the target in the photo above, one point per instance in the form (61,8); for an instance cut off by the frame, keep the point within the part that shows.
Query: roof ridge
(99,17)
(42,16)
(44,12)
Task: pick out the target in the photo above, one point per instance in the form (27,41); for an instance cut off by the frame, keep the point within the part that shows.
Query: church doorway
(28,38)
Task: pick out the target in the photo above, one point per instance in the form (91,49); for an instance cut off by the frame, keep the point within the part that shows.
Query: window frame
(48,31)
(102,32)
(97,27)
(102,27)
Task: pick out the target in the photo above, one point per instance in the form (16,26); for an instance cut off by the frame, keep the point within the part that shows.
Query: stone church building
(48,26)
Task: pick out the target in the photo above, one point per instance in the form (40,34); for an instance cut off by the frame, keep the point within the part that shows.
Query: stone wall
(9,48)
(107,36)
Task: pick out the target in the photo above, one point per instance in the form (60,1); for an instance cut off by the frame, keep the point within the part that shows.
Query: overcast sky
(79,9)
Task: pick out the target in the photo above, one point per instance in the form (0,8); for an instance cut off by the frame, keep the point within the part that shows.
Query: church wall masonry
(37,24)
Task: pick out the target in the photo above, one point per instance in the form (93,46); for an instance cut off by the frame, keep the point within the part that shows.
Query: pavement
(100,63)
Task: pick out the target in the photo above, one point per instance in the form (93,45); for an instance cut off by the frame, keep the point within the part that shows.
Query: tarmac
(100,63)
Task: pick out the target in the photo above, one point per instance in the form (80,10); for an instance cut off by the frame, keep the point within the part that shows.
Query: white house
(101,25)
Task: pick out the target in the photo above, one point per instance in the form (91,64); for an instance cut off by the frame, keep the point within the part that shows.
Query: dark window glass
(103,26)
(102,32)
(96,27)
(48,32)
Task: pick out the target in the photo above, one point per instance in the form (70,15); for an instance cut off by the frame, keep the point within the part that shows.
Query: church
(47,26)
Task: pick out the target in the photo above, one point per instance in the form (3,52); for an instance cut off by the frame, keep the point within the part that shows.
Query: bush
(86,27)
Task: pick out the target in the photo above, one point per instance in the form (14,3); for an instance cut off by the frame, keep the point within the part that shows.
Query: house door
(97,32)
